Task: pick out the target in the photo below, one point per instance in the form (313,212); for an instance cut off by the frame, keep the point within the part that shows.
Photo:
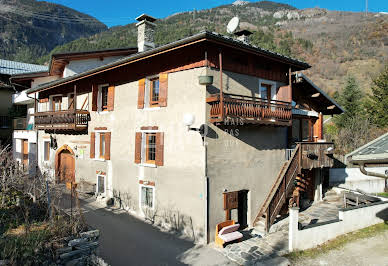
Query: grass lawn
(383,194)
(339,242)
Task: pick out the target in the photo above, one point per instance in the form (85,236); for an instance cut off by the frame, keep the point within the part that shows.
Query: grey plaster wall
(241,157)
(179,183)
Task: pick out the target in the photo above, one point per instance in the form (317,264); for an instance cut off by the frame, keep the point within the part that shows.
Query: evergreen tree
(351,100)
(377,105)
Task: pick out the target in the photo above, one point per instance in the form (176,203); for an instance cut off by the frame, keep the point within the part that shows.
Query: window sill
(99,159)
(103,112)
(151,108)
(148,165)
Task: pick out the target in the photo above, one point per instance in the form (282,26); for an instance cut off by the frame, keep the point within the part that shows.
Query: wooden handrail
(278,193)
(71,111)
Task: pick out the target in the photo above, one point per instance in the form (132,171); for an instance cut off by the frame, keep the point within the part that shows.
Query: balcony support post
(35,103)
(75,98)
(221,88)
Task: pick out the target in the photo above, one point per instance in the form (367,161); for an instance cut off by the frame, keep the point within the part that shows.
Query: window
(102,145)
(103,91)
(46,150)
(150,148)
(4,121)
(56,103)
(154,92)
(100,185)
(147,197)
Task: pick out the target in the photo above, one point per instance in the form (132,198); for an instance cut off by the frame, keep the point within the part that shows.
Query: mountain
(30,29)
(336,44)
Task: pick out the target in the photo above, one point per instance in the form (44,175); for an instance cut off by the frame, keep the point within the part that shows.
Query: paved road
(126,240)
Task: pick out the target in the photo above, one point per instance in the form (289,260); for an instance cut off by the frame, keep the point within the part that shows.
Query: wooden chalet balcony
(76,120)
(249,109)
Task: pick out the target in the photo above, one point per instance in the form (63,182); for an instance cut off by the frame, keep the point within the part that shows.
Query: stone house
(190,133)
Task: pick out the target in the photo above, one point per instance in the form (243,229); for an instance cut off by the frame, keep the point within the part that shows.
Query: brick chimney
(145,32)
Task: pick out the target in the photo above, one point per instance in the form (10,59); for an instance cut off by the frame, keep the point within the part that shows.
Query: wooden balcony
(73,120)
(249,110)
(316,154)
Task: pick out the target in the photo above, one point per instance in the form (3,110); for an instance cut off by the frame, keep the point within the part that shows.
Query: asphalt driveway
(126,240)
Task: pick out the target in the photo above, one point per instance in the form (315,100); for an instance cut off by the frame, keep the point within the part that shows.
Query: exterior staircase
(280,192)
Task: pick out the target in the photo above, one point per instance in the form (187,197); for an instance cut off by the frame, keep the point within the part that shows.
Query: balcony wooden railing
(20,123)
(250,109)
(62,120)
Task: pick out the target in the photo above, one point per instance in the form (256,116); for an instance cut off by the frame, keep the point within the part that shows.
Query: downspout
(362,163)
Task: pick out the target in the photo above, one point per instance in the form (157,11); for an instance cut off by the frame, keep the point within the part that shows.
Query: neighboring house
(61,66)
(7,109)
(120,126)
(367,168)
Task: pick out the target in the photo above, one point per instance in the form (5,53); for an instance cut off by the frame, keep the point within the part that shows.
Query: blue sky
(122,12)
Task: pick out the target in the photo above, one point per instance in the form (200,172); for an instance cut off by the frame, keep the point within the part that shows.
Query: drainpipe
(362,163)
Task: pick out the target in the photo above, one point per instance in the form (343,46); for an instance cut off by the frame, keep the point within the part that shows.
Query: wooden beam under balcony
(249,110)
(67,120)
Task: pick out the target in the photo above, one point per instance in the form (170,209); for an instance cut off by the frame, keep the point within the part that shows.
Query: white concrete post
(293,228)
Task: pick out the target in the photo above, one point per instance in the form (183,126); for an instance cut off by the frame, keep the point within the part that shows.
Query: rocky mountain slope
(30,29)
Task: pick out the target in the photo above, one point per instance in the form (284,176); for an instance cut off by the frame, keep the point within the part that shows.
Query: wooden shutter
(284,94)
(163,85)
(107,145)
(140,95)
(111,97)
(92,145)
(138,147)
(159,148)
(94,97)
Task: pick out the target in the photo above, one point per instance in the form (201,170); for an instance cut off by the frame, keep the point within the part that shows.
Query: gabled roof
(323,102)
(377,150)
(12,67)
(206,35)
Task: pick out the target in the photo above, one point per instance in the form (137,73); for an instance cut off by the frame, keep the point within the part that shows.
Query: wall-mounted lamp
(53,143)
(188,121)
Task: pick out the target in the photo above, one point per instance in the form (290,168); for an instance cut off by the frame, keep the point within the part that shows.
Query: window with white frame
(267,89)
(100,145)
(46,150)
(103,97)
(147,196)
(101,185)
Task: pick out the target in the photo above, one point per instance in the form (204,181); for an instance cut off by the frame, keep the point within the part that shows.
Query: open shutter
(163,85)
(94,97)
(111,97)
(107,145)
(159,148)
(140,95)
(138,147)
(284,94)
(92,145)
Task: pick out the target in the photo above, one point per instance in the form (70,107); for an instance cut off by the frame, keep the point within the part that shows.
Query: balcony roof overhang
(206,36)
(315,96)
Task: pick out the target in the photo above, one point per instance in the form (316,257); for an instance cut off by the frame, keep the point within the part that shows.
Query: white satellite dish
(233,25)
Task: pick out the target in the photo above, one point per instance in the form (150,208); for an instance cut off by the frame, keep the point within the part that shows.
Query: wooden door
(66,167)
(25,153)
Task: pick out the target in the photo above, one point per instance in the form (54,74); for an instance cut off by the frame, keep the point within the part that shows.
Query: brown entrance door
(25,153)
(66,167)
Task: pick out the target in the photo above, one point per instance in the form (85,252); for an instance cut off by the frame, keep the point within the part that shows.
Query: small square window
(147,195)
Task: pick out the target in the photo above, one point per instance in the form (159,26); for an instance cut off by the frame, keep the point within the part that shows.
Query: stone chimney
(145,32)
(243,35)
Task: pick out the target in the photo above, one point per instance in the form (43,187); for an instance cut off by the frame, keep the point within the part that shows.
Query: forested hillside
(30,29)
(336,44)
